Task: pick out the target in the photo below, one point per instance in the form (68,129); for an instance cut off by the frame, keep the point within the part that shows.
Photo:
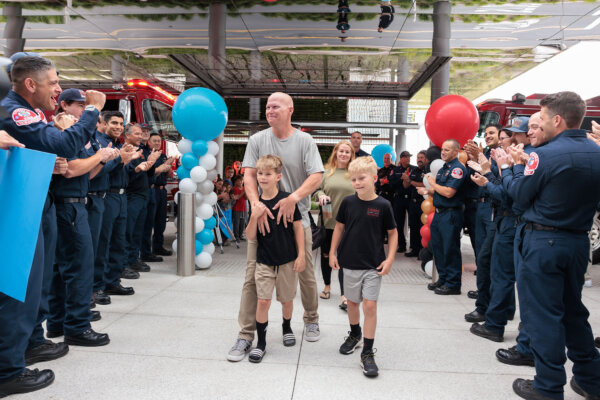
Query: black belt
(98,194)
(483,200)
(65,200)
(444,209)
(539,227)
(117,191)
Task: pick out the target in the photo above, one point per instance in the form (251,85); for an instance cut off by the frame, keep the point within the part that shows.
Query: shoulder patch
(532,164)
(42,115)
(457,173)
(23,116)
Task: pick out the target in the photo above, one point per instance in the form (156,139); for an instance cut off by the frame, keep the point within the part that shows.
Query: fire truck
(497,111)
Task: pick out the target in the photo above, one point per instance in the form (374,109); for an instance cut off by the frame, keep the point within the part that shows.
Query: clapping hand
(502,157)
(475,166)
(479,179)
(63,121)
(153,156)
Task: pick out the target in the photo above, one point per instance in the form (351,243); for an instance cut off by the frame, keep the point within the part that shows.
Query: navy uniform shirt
(386,191)
(29,126)
(452,175)
(139,182)
(560,185)
(361,153)
(72,187)
(101,183)
(396,181)
(161,179)
(119,176)
(416,175)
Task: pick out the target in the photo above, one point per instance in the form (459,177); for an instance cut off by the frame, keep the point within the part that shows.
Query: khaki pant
(588,272)
(308,290)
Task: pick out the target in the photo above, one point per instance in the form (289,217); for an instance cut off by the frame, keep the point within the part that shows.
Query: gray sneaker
(312,332)
(239,350)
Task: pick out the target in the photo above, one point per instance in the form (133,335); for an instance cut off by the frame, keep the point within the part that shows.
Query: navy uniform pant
(49,228)
(486,230)
(445,237)
(146,248)
(73,276)
(470,217)
(111,256)
(160,218)
(95,210)
(136,218)
(414,223)
(17,318)
(401,205)
(523,341)
(550,280)
(502,290)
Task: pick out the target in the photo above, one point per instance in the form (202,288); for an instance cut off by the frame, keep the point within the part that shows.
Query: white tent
(574,69)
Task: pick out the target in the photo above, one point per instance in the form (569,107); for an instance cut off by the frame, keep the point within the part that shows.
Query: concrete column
(13,30)
(440,45)
(116,68)
(255,76)
(402,106)
(217,38)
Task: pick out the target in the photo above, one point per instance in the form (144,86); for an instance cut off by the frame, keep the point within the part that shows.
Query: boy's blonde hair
(270,161)
(363,164)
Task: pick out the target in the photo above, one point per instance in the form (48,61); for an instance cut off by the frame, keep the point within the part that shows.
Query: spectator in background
(229,174)
(383,187)
(335,186)
(387,15)
(240,208)
(356,140)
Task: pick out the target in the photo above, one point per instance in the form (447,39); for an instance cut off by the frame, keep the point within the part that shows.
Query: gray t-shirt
(300,157)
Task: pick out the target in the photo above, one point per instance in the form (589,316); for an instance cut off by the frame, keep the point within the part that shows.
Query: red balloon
(425,233)
(451,117)
(430,218)
(424,243)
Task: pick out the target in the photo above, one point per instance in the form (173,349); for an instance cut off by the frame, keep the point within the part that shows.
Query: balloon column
(200,115)
(426,218)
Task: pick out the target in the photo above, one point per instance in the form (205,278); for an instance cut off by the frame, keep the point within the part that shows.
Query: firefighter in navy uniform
(446,189)
(553,246)
(382,186)
(35,86)
(412,181)
(159,192)
(401,196)
(111,256)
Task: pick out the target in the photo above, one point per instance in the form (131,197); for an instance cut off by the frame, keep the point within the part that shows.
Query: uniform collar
(19,99)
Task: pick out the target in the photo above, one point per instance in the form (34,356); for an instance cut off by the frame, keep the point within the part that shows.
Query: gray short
(361,284)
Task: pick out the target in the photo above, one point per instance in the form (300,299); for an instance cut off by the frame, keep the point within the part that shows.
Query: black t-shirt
(277,247)
(365,224)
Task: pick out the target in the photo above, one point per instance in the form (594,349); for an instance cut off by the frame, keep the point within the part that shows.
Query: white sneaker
(312,332)
(587,283)
(239,350)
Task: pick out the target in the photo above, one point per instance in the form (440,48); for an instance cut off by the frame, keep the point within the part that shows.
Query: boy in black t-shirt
(362,222)
(279,258)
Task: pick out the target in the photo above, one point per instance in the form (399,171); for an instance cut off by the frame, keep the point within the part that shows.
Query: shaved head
(279,110)
(283,97)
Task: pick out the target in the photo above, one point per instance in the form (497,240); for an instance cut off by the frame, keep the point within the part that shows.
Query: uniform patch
(88,145)
(42,115)
(457,173)
(23,116)
(532,164)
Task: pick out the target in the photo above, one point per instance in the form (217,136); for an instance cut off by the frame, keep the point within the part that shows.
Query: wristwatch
(90,108)
(504,166)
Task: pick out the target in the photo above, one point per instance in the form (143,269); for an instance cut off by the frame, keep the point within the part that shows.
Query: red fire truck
(496,111)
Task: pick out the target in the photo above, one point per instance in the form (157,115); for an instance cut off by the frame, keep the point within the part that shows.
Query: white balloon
(213,148)
(211,198)
(174,246)
(205,187)
(212,175)
(198,174)
(176,198)
(184,146)
(204,211)
(187,185)
(208,161)
(435,166)
(209,248)
(429,268)
(199,197)
(203,260)
(426,181)
(199,224)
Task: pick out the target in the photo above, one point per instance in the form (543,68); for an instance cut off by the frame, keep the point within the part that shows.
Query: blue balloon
(189,160)
(199,246)
(200,104)
(200,147)
(183,172)
(206,236)
(210,223)
(379,151)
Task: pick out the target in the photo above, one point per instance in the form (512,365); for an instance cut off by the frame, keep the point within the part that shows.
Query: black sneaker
(256,355)
(367,362)
(350,344)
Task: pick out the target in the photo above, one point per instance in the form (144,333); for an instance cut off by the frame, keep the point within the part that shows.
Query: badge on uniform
(532,164)
(23,116)
(457,173)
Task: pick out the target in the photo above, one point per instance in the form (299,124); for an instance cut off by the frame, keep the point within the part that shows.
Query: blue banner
(24,179)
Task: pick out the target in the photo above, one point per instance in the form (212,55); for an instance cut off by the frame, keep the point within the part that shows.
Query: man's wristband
(504,166)
(90,107)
